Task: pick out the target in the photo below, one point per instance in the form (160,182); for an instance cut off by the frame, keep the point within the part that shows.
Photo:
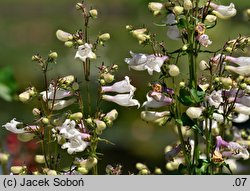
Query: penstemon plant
(203,104)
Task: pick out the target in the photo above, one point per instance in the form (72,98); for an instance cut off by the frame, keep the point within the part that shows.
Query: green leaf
(185,98)
(182,23)
(8,85)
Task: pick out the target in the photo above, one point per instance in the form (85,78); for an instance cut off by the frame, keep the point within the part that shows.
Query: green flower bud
(129,27)
(173,70)
(69,44)
(229,49)
(36,112)
(184,47)
(35,58)
(227,82)
(158,171)
(155,7)
(25,137)
(93,13)
(45,120)
(79,6)
(53,55)
(75,86)
(40,159)
(144,171)
(102,82)
(104,37)
(89,121)
(17,169)
(82,170)
(51,172)
(4,158)
(79,42)
(182,84)
(210,18)
(187,5)
(243,86)
(203,65)
(112,115)
(100,125)
(140,166)
(248,13)
(178,10)
(76,116)
(108,78)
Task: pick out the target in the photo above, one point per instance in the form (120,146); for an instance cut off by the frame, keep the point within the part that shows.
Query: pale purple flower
(123,86)
(12,127)
(223,12)
(241,70)
(172,29)
(122,99)
(57,93)
(215,99)
(152,116)
(173,153)
(241,61)
(61,104)
(204,40)
(231,149)
(145,62)
(84,52)
(74,145)
(156,100)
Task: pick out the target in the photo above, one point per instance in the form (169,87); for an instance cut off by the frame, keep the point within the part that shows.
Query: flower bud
(79,6)
(51,172)
(91,162)
(76,116)
(155,7)
(24,97)
(203,65)
(63,36)
(25,137)
(248,13)
(35,58)
(187,5)
(4,158)
(69,44)
(173,70)
(140,166)
(108,78)
(144,171)
(17,169)
(227,82)
(93,13)
(45,120)
(104,37)
(243,86)
(178,10)
(36,112)
(182,84)
(40,159)
(194,112)
(129,27)
(158,171)
(100,125)
(82,170)
(102,82)
(210,18)
(89,121)
(79,42)
(53,55)
(229,49)
(112,115)
(75,86)
(184,47)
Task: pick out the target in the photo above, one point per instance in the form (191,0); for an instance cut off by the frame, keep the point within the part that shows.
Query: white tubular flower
(84,52)
(123,86)
(218,117)
(240,118)
(68,130)
(241,61)
(152,116)
(122,99)
(224,12)
(75,144)
(241,70)
(59,93)
(12,127)
(156,100)
(145,62)
(155,7)
(173,70)
(215,99)
(187,4)
(239,108)
(63,36)
(204,40)
(61,104)
(173,31)
(194,112)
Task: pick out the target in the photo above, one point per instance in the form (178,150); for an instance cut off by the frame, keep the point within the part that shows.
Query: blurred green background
(28,27)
